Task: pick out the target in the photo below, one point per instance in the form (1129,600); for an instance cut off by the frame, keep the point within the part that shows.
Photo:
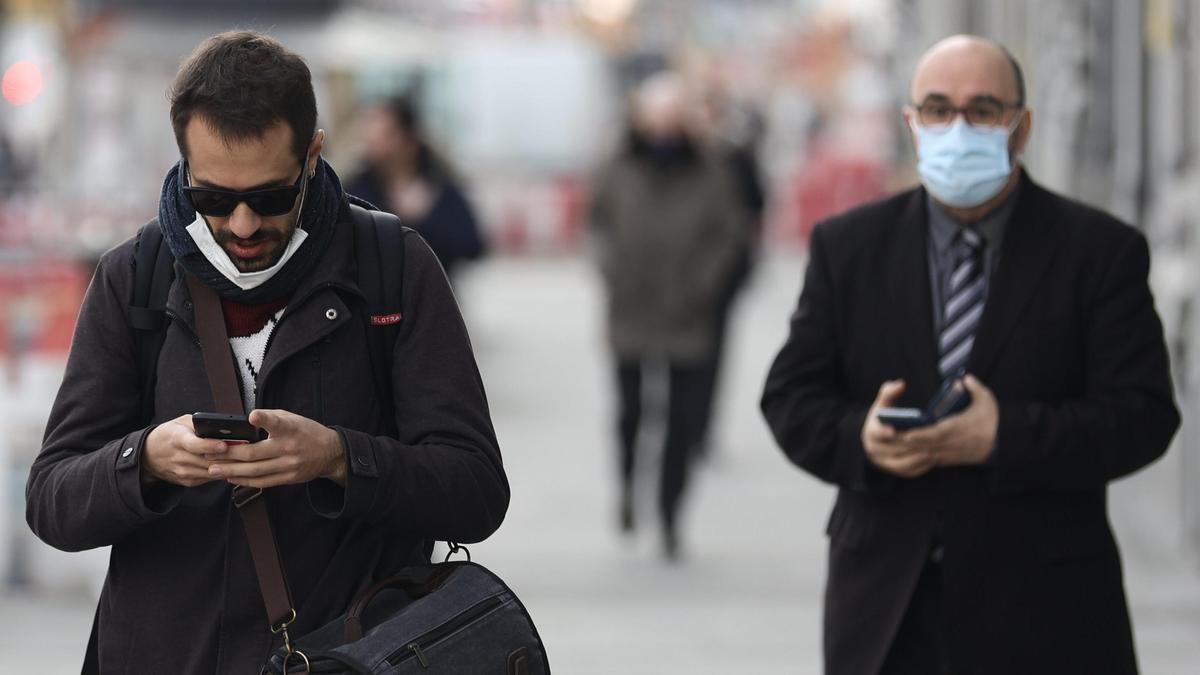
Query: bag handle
(417,582)
(268,566)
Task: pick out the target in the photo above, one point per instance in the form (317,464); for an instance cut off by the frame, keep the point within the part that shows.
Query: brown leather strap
(214,345)
(268,566)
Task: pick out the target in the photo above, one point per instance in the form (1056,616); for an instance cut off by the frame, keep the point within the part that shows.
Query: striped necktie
(965,294)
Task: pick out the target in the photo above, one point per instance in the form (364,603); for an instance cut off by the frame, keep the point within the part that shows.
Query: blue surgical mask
(964,166)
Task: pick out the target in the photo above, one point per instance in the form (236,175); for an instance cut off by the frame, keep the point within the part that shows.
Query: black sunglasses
(271,201)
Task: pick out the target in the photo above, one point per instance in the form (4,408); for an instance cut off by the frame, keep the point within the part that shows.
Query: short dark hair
(403,109)
(242,83)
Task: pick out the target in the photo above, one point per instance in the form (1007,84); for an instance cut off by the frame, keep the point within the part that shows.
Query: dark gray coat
(669,238)
(181,594)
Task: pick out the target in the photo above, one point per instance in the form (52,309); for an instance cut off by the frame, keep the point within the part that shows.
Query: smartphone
(903,418)
(231,428)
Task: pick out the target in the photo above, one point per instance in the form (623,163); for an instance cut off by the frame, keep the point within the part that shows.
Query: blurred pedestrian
(403,174)
(359,479)
(669,229)
(976,542)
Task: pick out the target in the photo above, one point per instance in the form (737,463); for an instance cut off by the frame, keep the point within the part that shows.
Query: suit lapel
(910,311)
(1024,259)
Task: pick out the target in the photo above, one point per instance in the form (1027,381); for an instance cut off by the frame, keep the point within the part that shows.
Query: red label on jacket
(386,319)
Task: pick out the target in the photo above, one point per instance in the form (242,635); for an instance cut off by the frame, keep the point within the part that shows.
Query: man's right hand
(886,447)
(175,454)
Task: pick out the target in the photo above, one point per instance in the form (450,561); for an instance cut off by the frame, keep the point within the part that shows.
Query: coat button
(128,452)
(187,304)
(331,314)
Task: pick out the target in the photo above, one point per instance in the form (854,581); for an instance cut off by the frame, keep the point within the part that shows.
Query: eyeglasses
(271,201)
(979,112)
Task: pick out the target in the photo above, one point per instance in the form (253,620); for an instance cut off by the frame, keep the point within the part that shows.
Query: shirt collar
(943,228)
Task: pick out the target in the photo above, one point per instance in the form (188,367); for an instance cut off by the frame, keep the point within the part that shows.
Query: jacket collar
(337,268)
(909,309)
(1028,251)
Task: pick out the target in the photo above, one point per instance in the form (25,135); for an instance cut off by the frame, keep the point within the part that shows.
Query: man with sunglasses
(355,488)
(977,541)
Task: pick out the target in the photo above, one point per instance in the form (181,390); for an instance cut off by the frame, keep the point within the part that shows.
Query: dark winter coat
(670,237)
(449,226)
(181,595)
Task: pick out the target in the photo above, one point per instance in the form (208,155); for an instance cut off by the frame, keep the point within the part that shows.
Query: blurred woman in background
(404,175)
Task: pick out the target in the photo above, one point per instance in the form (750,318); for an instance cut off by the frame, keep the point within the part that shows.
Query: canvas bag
(452,617)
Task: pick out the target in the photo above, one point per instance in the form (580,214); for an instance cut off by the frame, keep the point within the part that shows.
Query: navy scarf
(322,204)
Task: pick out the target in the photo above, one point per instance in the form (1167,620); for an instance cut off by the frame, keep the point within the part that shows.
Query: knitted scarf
(320,212)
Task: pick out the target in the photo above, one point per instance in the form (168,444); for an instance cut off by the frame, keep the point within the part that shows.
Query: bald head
(962,67)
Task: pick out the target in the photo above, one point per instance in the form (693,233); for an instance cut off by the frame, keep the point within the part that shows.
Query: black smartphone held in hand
(903,419)
(231,428)
(952,398)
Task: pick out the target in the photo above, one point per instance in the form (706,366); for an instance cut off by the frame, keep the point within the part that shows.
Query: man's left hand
(297,450)
(966,438)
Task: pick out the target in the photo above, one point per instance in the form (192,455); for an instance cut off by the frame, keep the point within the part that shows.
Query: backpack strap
(379,249)
(153,270)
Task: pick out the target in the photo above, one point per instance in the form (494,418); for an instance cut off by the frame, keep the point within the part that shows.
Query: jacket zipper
(416,648)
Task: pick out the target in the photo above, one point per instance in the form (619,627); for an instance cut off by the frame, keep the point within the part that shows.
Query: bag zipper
(416,648)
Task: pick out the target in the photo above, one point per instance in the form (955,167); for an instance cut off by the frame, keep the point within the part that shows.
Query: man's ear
(314,152)
(909,124)
(1021,135)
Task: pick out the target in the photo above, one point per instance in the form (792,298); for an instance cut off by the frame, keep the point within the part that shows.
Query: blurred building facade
(1115,91)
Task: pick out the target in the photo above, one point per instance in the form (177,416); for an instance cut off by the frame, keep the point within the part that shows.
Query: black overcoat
(1073,349)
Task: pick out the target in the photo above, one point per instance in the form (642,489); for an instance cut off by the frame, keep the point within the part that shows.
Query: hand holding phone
(903,419)
(950,399)
(231,428)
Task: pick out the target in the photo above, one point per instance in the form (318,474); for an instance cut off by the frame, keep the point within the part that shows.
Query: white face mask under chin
(220,259)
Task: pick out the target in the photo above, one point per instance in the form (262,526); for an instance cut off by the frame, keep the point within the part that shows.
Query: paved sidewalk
(746,599)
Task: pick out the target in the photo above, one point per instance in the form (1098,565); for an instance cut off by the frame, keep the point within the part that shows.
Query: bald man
(975,541)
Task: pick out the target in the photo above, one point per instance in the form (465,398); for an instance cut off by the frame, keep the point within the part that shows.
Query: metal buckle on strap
(299,658)
(282,628)
(283,625)
(241,498)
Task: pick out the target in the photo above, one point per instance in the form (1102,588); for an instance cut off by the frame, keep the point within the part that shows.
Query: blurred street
(746,597)
(497,129)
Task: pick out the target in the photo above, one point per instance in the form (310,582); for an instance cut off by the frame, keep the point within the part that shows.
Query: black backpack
(375,232)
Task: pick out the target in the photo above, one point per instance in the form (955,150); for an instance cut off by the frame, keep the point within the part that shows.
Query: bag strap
(268,566)
(380,236)
(376,234)
(154,270)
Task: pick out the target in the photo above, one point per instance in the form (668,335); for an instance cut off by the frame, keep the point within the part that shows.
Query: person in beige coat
(669,231)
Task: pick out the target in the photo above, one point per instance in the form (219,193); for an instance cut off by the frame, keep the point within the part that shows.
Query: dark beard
(260,263)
